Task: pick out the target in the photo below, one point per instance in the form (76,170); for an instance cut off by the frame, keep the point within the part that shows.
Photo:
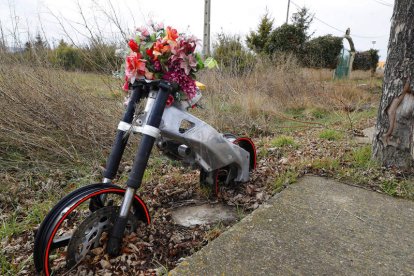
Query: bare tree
(393,144)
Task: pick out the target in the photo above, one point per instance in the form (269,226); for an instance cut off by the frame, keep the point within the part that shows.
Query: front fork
(150,132)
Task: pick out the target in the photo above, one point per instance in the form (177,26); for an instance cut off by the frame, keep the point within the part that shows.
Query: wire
(384,3)
(337,29)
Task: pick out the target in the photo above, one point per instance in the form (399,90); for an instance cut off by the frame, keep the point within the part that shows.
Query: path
(315,227)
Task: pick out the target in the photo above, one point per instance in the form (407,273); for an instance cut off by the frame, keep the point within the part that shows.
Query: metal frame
(207,147)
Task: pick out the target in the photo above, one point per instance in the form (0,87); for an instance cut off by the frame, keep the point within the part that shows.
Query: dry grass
(52,118)
(259,99)
(55,118)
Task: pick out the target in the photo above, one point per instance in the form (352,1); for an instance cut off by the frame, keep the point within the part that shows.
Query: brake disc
(87,236)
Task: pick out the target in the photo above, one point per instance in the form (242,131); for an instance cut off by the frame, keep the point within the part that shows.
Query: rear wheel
(71,229)
(226,175)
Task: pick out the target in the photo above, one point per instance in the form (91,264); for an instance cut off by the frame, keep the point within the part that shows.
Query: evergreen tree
(303,19)
(256,41)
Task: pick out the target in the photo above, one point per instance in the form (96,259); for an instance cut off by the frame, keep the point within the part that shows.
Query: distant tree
(67,56)
(35,51)
(322,52)
(40,44)
(231,55)
(286,38)
(291,37)
(303,19)
(256,40)
(99,56)
(393,143)
(367,60)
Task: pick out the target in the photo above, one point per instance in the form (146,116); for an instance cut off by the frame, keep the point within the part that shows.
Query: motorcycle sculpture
(104,212)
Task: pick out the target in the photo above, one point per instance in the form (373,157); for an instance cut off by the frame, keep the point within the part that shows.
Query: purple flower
(186,83)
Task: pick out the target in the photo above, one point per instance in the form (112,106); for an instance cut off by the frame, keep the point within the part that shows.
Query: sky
(369,20)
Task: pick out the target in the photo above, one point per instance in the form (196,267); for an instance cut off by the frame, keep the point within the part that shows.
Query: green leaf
(211,63)
(148,45)
(138,39)
(200,62)
(153,37)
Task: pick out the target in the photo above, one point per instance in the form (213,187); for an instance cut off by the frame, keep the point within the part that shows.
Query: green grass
(284,179)
(361,157)
(283,141)
(319,113)
(390,187)
(326,163)
(331,135)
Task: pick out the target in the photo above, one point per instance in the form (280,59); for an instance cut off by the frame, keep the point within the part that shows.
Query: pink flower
(144,32)
(159,26)
(135,66)
(187,63)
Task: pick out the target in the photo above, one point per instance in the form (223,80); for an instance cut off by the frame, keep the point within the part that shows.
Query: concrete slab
(369,135)
(315,227)
(203,214)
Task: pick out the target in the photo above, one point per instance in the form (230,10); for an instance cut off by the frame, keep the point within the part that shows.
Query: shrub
(286,38)
(232,56)
(322,52)
(367,60)
(67,56)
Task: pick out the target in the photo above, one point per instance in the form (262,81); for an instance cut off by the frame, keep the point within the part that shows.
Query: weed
(390,187)
(214,232)
(319,113)
(240,212)
(284,179)
(331,135)
(326,163)
(361,157)
(283,141)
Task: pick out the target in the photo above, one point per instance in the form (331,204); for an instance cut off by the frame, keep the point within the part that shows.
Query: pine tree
(303,19)
(257,41)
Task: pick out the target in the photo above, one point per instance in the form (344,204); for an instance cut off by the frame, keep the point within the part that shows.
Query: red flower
(150,53)
(133,45)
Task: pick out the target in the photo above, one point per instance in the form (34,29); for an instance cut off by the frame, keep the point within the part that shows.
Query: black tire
(65,211)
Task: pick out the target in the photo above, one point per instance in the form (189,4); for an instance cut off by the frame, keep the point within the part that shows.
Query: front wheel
(71,230)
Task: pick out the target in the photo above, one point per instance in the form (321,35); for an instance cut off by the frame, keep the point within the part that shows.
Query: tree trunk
(393,141)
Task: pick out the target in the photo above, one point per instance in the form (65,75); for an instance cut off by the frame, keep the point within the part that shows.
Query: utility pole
(206,37)
(287,14)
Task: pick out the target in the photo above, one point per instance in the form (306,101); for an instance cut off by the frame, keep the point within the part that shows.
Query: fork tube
(140,162)
(121,138)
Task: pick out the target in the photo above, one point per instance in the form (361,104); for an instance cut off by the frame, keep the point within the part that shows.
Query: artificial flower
(133,45)
(159,53)
(171,34)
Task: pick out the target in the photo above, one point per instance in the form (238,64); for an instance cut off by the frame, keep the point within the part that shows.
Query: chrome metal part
(184,151)
(127,202)
(211,150)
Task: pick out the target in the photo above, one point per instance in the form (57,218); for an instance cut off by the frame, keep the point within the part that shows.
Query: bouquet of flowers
(163,53)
